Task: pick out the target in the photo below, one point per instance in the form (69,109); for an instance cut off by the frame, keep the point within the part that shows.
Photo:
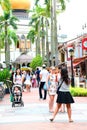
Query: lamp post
(45,61)
(54,60)
(71,51)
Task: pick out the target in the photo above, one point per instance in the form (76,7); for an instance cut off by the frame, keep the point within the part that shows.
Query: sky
(73,18)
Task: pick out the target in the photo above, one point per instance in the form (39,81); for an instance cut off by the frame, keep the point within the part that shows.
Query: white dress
(18,79)
(53,86)
(27,81)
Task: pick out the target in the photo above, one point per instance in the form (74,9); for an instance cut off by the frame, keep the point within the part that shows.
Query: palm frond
(6,6)
(31,35)
(36,2)
(1,19)
(12,36)
(63,4)
(12,22)
(2,38)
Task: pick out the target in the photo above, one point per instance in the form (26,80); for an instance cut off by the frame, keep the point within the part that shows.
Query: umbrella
(24,68)
(23,58)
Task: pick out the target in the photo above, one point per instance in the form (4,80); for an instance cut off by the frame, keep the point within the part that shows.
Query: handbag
(59,87)
(45,86)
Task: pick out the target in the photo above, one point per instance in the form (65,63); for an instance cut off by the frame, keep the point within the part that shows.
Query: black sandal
(51,119)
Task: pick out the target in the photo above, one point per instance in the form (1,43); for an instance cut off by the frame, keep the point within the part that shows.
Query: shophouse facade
(79,46)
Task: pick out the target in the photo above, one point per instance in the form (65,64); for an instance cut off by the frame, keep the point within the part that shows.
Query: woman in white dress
(52,88)
(28,81)
(17,78)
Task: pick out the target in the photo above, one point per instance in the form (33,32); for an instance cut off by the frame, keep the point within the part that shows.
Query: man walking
(38,76)
(43,77)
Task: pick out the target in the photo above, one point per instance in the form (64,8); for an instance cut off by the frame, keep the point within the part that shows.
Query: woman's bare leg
(62,109)
(69,112)
(51,103)
(56,111)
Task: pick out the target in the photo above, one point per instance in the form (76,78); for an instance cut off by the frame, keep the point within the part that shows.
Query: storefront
(80,70)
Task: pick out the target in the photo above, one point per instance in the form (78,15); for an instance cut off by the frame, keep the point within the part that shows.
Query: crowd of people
(52,77)
(26,79)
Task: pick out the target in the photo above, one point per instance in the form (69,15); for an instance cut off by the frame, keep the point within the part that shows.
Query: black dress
(64,97)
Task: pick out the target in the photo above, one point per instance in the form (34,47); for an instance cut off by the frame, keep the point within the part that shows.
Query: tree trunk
(47,44)
(43,41)
(36,46)
(55,35)
(38,42)
(52,35)
(7,47)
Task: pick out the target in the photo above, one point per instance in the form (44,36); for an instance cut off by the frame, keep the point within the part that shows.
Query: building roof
(20,4)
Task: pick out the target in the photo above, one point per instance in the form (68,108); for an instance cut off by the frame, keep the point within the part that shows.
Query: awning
(23,58)
(78,61)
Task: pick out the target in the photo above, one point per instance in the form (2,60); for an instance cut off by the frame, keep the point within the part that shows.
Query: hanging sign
(84,44)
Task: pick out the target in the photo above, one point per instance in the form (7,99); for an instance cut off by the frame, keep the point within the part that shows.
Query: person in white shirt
(17,78)
(43,77)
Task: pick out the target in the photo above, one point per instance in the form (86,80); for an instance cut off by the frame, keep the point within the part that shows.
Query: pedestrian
(52,78)
(34,81)
(38,76)
(27,82)
(43,77)
(17,78)
(64,95)
(62,108)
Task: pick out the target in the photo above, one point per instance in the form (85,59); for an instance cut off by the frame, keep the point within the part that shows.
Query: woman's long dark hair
(64,76)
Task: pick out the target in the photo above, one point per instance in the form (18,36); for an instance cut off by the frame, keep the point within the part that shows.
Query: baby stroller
(17,95)
(2,90)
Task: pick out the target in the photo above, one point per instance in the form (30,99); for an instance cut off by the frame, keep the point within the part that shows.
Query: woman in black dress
(64,95)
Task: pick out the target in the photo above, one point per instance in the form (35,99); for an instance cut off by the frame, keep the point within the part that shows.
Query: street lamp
(71,51)
(45,61)
(54,60)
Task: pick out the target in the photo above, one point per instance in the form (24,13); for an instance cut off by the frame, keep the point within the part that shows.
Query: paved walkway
(35,115)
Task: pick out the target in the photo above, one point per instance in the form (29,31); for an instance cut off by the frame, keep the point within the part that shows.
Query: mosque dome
(20,4)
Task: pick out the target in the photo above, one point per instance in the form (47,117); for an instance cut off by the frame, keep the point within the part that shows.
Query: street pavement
(35,114)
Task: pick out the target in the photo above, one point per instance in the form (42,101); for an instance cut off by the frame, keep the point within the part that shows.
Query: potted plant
(4,75)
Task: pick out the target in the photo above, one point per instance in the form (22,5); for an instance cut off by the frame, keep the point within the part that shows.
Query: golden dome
(20,4)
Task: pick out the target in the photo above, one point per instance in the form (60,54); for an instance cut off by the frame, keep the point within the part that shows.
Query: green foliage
(63,5)
(4,74)
(12,36)
(12,21)
(6,15)
(31,35)
(77,91)
(37,61)
(5,4)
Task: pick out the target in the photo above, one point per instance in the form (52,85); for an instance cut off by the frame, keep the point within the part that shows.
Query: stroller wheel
(13,104)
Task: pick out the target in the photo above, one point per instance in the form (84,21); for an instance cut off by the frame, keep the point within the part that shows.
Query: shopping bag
(45,86)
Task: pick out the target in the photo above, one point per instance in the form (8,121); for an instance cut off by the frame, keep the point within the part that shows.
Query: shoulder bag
(59,87)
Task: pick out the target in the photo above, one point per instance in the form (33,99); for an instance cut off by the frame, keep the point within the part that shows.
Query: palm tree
(42,13)
(7,21)
(39,18)
(54,41)
(35,30)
